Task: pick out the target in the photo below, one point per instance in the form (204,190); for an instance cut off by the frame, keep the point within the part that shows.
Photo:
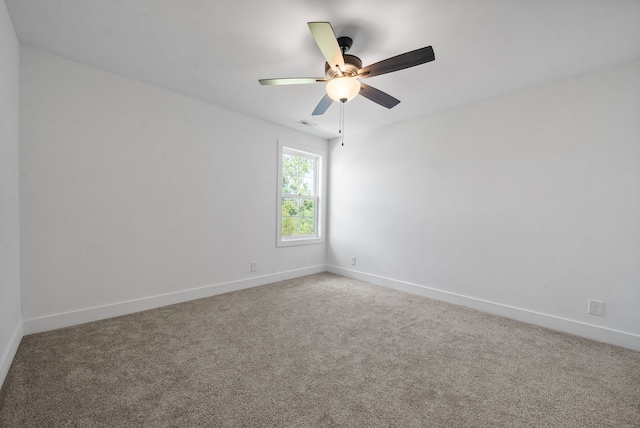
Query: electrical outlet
(254,266)
(353,260)
(596,307)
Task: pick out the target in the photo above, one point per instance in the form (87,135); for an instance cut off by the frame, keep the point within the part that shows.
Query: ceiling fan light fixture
(343,88)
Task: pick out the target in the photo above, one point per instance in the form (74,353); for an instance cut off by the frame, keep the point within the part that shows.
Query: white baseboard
(81,316)
(10,352)
(589,331)
(52,322)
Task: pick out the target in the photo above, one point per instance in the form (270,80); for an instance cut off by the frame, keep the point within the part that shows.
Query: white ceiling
(217,50)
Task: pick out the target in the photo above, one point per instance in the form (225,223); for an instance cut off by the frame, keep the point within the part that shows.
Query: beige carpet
(319,351)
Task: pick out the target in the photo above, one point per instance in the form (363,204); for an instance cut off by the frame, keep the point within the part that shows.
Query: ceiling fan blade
(328,44)
(398,62)
(292,81)
(377,96)
(322,106)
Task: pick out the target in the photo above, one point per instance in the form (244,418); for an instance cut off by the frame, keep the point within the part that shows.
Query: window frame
(319,155)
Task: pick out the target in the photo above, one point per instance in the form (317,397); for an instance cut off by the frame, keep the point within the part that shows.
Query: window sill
(298,241)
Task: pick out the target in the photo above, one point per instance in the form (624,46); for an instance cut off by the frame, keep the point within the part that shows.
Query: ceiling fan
(342,71)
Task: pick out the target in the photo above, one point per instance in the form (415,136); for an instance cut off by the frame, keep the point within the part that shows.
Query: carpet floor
(318,351)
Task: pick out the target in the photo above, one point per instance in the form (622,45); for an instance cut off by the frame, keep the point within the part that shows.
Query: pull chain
(342,101)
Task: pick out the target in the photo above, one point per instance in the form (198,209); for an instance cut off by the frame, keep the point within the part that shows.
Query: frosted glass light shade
(341,88)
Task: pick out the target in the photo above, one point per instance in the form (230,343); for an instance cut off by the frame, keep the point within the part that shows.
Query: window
(299,195)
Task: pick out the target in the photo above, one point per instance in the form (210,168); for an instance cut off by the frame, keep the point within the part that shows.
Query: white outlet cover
(595,307)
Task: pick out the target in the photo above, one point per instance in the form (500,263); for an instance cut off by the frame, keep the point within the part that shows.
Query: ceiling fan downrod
(345,44)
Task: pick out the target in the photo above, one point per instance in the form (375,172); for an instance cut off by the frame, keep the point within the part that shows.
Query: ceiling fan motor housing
(351,64)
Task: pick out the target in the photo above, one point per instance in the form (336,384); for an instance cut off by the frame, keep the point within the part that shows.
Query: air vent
(305,122)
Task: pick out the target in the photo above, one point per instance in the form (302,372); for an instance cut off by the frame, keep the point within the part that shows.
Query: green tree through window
(299,194)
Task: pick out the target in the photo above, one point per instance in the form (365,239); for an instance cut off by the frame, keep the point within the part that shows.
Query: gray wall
(10,318)
(133,196)
(526,205)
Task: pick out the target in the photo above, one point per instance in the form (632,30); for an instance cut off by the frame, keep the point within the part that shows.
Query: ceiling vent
(305,122)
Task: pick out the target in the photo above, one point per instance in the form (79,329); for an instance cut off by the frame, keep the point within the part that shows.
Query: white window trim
(321,154)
